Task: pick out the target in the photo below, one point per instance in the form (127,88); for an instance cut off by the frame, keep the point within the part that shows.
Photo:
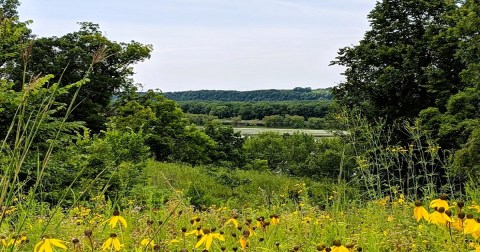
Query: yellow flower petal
(123,221)
(57,243)
(201,241)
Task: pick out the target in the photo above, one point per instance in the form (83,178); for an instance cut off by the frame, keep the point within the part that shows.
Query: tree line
(257,110)
(296,94)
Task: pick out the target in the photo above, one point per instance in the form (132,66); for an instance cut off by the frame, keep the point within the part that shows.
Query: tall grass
(387,165)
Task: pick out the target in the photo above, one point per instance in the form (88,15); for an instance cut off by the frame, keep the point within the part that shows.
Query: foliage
(229,145)
(167,131)
(257,110)
(404,63)
(69,57)
(297,94)
(300,154)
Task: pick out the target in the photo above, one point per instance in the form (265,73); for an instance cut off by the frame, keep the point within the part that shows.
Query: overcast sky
(219,44)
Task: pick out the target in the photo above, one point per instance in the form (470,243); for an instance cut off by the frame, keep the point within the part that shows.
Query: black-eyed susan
(244,240)
(476,230)
(274,219)
(440,202)
(420,212)
(195,220)
(148,242)
(207,239)
(6,242)
(439,217)
(338,247)
(48,244)
(112,243)
(469,224)
(115,219)
(260,221)
(233,220)
(197,232)
(459,222)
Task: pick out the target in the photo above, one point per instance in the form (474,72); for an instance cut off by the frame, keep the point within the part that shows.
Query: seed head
(337,243)
(88,233)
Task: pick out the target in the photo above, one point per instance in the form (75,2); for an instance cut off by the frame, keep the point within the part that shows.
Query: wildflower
(6,243)
(244,240)
(475,207)
(173,241)
(383,202)
(439,217)
(47,245)
(420,212)
(260,222)
(469,224)
(207,239)
(390,218)
(148,242)
(459,223)
(112,243)
(195,220)
(338,247)
(440,202)
(476,230)
(233,220)
(274,219)
(115,219)
(197,232)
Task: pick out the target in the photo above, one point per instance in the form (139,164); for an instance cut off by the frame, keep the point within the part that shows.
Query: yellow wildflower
(338,247)
(207,239)
(439,217)
(195,220)
(469,224)
(440,202)
(47,245)
(274,219)
(459,224)
(198,231)
(420,212)
(112,243)
(115,219)
(148,242)
(260,222)
(475,207)
(244,240)
(383,202)
(233,220)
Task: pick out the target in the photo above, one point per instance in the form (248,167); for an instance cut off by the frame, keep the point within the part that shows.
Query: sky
(219,44)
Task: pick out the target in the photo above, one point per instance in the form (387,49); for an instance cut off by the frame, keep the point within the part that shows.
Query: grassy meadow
(89,163)
(269,213)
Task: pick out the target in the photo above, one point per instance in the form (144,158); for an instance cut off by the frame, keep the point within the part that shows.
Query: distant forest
(257,110)
(296,94)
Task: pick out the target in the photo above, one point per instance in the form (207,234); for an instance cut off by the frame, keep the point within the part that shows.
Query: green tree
(229,144)
(14,35)
(69,57)
(267,146)
(403,64)
(167,130)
